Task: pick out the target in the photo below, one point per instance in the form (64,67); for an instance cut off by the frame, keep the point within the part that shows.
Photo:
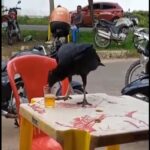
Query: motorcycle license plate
(4,25)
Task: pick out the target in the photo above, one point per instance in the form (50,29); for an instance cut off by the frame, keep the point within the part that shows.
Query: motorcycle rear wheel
(100,41)
(21,92)
(18,34)
(12,105)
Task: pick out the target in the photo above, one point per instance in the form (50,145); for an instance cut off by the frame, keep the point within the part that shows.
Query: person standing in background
(76,23)
(78,18)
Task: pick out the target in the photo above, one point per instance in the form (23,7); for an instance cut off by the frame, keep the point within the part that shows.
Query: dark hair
(58,5)
(79,6)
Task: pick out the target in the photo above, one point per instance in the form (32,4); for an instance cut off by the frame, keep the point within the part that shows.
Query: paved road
(108,79)
(43,27)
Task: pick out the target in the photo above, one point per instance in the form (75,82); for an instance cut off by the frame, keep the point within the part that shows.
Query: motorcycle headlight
(137,21)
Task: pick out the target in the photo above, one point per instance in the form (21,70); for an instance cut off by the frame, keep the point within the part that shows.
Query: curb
(105,54)
(110,54)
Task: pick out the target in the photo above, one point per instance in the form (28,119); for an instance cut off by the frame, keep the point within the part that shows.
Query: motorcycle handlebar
(14,8)
(18,8)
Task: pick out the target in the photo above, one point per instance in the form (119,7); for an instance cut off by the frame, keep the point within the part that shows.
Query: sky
(41,7)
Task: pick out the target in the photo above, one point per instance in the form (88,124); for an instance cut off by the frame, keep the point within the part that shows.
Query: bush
(33,20)
(23,19)
(143,17)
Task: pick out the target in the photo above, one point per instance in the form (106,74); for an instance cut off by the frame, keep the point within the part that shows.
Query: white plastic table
(110,121)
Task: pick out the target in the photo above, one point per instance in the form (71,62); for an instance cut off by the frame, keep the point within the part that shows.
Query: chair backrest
(33,70)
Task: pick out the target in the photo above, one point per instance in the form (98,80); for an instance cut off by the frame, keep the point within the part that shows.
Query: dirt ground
(8,50)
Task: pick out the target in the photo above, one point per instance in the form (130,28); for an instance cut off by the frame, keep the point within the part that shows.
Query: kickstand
(16,123)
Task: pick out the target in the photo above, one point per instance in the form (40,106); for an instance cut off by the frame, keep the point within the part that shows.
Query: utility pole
(51,7)
(91,10)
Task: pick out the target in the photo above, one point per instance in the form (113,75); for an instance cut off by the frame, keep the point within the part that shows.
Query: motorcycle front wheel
(134,72)
(9,35)
(10,40)
(19,33)
(19,36)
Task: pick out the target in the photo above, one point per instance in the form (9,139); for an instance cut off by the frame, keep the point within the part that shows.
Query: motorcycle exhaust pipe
(104,34)
(138,34)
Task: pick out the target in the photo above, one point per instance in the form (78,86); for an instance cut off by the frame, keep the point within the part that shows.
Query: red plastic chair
(33,70)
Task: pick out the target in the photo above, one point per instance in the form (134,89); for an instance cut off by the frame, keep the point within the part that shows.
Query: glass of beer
(49,99)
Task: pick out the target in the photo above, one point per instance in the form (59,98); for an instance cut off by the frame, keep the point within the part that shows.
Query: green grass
(85,37)
(143,17)
(88,37)
(36,35)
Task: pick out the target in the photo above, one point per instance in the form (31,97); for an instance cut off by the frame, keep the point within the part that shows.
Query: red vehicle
(102,10)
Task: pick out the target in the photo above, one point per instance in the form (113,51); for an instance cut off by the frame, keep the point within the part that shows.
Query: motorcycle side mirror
(19,2)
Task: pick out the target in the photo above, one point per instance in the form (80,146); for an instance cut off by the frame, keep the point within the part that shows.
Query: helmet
(60,14)
(60,22)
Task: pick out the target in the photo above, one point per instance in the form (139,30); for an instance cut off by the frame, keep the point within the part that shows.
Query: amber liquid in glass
(49,100)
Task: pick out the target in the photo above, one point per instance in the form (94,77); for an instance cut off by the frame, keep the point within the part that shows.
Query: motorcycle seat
(108,22)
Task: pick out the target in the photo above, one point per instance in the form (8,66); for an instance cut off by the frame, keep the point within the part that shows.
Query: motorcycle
(138,36)
(10,24)
(139,87)
(140,67)
(130,23)
(106,31)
